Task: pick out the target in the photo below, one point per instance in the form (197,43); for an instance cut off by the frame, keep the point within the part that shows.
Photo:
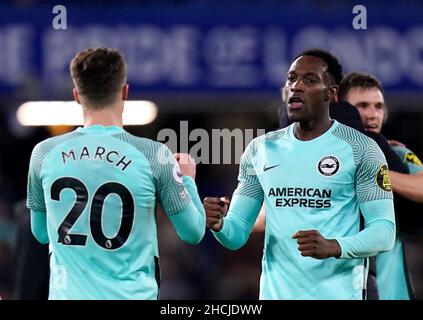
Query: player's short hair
(98,75)
(334,66)
(357,80)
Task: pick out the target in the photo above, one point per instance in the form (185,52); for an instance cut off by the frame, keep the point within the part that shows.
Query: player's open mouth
(371,127)
(295,103)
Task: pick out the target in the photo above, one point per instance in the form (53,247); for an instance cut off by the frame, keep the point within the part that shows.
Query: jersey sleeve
(239,222)
(374,195)
(378,234)
(372,176)
(245,204)
(179,197)
(190,223)
(39,226)
(171,191)
(409,158)
(35,194)
(248,182)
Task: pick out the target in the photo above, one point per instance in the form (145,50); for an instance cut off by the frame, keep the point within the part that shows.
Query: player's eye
(310,81)
(290,79)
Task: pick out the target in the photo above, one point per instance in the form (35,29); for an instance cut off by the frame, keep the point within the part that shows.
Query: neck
(108,116)
(308,130)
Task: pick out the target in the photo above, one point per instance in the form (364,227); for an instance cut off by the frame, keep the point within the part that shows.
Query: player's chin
(295,116)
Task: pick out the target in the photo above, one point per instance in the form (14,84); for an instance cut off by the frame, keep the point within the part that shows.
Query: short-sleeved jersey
(99,187)
(312,185)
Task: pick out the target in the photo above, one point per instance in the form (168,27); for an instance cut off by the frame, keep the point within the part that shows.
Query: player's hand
(395,143)
(312,244)
(216,208)
(186,164)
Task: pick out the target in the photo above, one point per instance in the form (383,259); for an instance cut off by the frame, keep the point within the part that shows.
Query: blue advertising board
(224,49)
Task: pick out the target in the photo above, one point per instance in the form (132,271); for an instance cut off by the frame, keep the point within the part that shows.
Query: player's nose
(296,86)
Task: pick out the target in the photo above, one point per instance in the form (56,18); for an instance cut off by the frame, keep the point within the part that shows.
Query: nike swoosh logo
(268,168)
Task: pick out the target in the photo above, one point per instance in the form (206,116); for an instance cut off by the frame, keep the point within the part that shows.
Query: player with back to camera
(93,193)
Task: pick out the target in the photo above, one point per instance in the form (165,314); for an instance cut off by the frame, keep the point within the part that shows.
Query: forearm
(190,223)
(378,234)
(39,226)
(238,222)
(409,186)
(189,184)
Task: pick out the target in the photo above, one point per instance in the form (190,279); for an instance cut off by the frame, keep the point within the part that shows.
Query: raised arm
(177,192)
(233,230)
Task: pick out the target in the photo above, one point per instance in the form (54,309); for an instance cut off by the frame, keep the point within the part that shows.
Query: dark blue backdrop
(222,48)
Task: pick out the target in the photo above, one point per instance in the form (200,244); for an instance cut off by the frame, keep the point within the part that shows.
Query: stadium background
(216,64)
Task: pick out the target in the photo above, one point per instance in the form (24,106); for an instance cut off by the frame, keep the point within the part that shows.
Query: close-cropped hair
(98,75)
(334,66)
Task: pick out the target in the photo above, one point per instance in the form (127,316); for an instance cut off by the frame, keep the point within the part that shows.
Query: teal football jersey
(99,187)
(312,185)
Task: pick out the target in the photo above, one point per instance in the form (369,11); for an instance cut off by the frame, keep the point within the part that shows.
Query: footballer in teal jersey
(313,177)
(93,195)
(318,184)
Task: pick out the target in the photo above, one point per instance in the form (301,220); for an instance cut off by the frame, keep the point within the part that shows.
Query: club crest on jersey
(177,174)
(382,178)
(328,166)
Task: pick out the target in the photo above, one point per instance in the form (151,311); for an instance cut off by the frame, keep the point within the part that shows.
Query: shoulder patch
(382,178)
(412,158)
(177,174)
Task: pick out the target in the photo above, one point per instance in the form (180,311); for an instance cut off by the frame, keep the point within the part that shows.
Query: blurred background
(216,64)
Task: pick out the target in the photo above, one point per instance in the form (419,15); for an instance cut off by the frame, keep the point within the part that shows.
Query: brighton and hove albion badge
(382,178)
(328,166)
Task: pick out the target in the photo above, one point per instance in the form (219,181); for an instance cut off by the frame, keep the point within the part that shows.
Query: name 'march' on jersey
(159,157)
(99,187)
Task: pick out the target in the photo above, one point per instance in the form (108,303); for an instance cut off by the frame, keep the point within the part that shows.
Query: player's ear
(125,90)
(76,96)
(332,93)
